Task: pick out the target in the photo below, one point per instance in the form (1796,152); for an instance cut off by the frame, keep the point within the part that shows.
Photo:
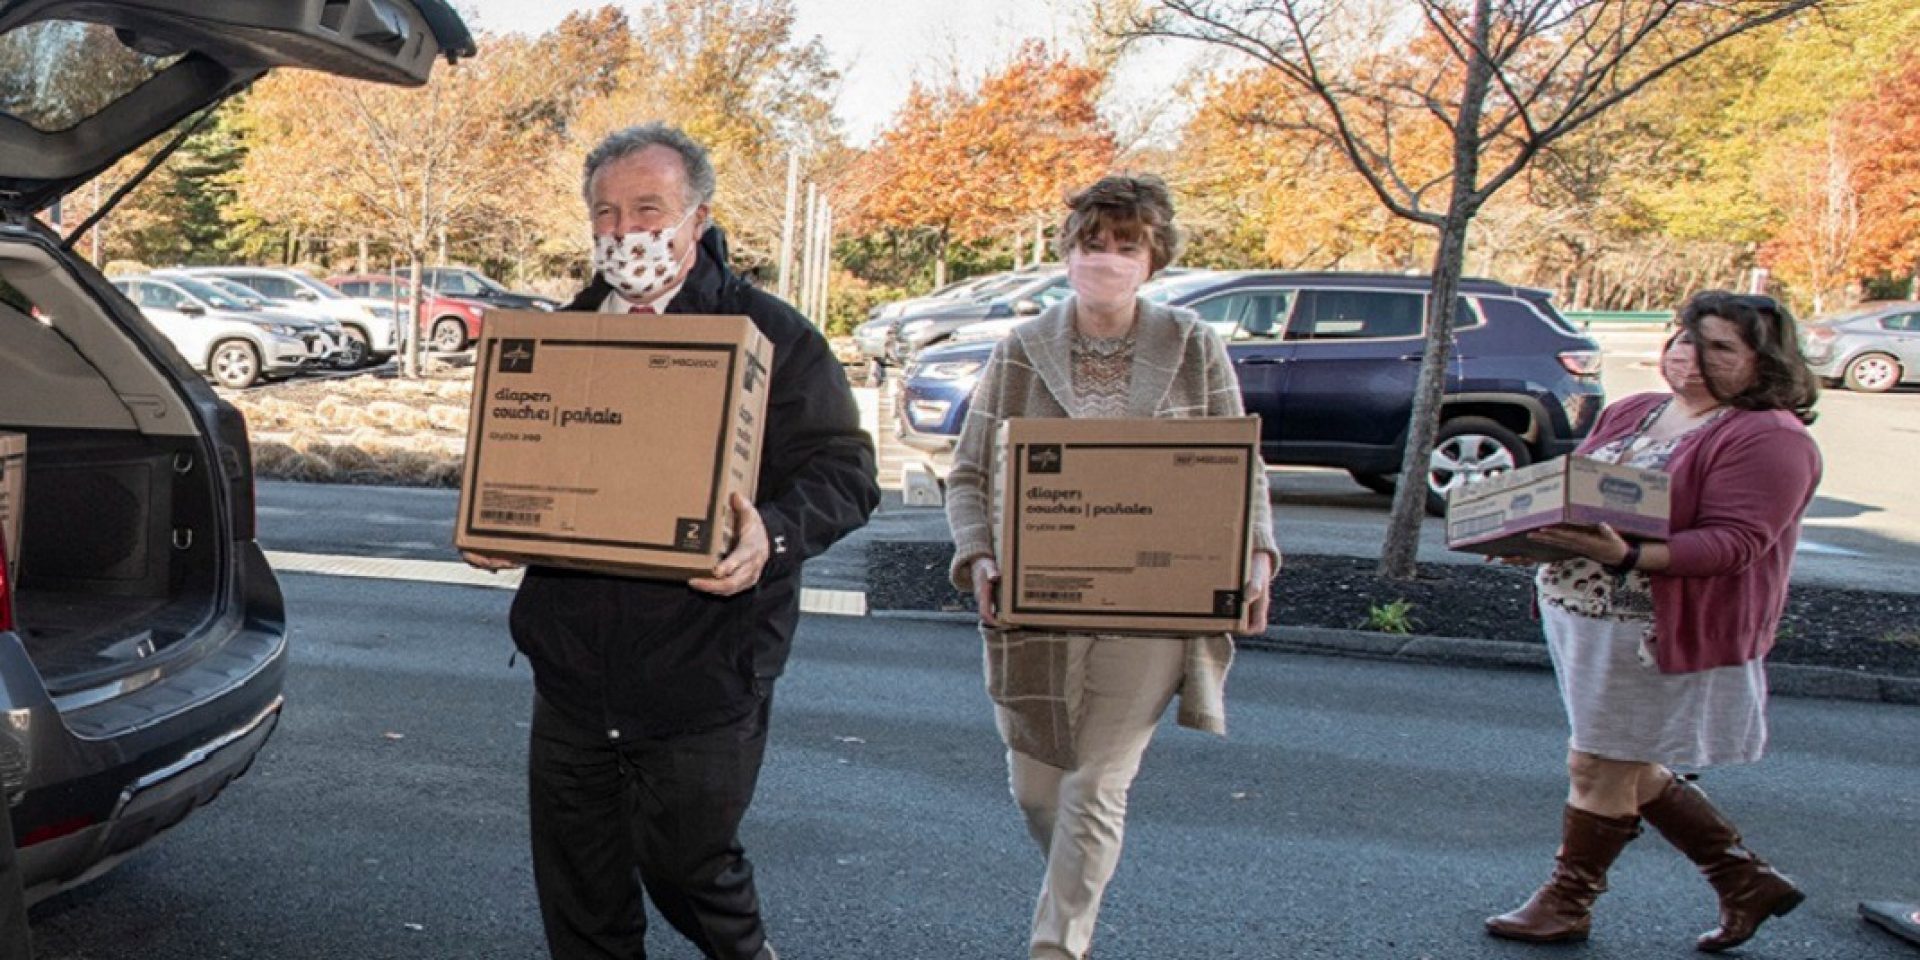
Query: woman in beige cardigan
(1077,710)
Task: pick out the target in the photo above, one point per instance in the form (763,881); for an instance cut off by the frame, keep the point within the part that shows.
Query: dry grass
(361,430)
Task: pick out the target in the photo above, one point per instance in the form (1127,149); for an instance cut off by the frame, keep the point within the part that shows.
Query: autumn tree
(408,166)
(1505,79)
(736,77)
(1884,130)
(966,165)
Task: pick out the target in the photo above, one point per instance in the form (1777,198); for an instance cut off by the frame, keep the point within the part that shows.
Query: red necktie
(642,309)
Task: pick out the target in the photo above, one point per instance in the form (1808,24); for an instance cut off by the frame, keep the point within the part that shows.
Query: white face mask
(640,264)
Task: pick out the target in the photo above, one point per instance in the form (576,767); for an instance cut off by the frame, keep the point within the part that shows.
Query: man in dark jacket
(652,697)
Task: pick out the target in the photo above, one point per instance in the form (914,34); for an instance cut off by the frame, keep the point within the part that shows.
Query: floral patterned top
(1582,586)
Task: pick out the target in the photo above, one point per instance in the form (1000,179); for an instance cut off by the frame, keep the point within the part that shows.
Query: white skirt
(1622,709)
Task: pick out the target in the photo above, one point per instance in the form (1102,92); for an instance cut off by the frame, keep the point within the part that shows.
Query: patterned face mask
(642,263)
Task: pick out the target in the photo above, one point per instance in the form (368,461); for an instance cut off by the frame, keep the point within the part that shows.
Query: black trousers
(615,819)
(15,941)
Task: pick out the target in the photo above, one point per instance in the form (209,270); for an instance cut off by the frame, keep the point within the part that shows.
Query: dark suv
(142,635)
(470,284)
(1329,362)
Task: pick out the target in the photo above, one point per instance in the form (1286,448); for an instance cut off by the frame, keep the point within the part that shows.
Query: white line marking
(843,603)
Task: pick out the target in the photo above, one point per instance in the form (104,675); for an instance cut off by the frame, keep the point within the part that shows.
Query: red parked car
(447,324)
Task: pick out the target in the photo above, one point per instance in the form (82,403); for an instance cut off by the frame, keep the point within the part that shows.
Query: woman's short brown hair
(1133,206)
(1781,380)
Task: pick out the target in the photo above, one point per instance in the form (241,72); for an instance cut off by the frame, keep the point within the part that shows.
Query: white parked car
(372,331)
(220,336)
(335,338)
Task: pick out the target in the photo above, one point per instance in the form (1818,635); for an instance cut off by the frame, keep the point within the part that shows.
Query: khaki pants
(1117,688)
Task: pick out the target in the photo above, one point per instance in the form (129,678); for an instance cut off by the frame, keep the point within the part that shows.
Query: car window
(356,288)
(318,289)
(1246,314)
(1054,293)
(239,291)
(77,70)
(1465,315)
(208,292)
(449,281)
(158,296)
(1902,322)
(279,288)
(1355,315)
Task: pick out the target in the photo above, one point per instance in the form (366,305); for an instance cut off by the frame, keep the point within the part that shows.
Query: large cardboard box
(13,492)
(1125,525)
(1495,515)
(612,442)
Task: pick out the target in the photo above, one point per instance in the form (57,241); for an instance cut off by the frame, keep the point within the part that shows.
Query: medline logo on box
(1625,491)
(755,370)
(516,356)
(661,361)
(1044,458)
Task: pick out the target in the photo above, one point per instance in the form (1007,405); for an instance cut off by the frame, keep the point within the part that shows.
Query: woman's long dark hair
(1781,379)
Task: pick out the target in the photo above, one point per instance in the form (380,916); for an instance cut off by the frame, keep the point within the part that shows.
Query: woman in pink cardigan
(1660,648)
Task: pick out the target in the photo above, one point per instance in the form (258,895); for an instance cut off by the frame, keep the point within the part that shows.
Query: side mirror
(307,295)
(193,310)
(1026,308)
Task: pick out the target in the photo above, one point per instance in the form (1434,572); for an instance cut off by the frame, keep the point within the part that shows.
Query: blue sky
(883,46)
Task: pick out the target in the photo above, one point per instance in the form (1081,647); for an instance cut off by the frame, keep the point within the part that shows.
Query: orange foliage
(1884,131)
(971,164)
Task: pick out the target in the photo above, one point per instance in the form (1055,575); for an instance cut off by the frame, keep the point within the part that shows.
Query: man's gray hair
(632,140)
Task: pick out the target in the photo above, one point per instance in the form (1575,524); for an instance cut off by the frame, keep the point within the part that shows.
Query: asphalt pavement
(1359,809)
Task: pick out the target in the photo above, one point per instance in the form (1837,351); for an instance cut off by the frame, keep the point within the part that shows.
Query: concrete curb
(1783,679)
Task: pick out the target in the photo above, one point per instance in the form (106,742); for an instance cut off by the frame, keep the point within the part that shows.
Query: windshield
(1167,289)
(319,289)
(241,293)
(57,73)
(1854,313)
(214,296)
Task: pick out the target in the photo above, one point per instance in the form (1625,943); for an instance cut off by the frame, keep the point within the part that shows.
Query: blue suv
(1329,362)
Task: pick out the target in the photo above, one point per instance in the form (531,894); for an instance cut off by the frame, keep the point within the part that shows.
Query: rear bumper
(105,775)
(146,808)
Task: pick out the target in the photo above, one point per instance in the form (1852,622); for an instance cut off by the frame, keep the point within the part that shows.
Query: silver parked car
(365,336)
(1871,349)
(219,334)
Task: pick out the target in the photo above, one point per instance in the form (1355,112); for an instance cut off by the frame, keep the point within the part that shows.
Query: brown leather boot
(1750,890)
(1562,909)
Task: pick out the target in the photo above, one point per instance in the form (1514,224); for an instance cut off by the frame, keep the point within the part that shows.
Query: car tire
(1468,449)
(354,352)
(234,364)
(1382,483)
(1872,373)
(449,335)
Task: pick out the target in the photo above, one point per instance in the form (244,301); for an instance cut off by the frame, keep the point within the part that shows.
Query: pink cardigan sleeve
(1751,492)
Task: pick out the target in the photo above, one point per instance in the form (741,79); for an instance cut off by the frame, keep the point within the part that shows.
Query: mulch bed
(1824,626)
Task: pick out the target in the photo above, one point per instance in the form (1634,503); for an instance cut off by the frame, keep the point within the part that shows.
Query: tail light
(1819,341)
(1581,363)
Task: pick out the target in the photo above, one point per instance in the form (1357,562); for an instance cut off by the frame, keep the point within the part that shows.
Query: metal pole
(786,226)
(826,267)
(810,260)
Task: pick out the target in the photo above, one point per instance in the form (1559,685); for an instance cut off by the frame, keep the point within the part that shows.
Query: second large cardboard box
(1495,515)
(1125,525)
(612,442)
(13,491)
